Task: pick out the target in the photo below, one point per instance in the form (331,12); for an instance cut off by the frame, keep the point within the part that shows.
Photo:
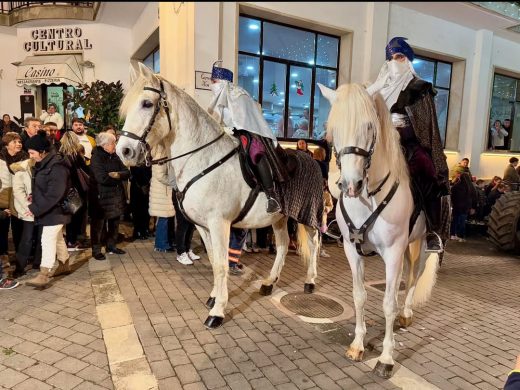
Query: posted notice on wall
(202,80)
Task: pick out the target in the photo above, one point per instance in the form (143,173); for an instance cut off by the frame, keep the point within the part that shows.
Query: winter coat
(106,195)
(161,204)
(50,185)
(11,126)
(6,176)
(463,195)
(511,175)
(22,187)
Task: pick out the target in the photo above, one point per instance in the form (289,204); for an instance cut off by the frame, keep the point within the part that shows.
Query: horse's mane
(185,108)
(349,118)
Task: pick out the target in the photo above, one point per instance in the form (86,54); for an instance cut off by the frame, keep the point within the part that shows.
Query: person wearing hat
(52,115)
(51,182)
(235,109)
(410,101)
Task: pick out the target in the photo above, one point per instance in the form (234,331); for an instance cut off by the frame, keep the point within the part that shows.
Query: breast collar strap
(357,236)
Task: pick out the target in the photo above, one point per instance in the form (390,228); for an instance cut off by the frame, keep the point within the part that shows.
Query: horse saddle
(285,160)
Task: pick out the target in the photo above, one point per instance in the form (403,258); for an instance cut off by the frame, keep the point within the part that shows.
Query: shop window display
(279,66)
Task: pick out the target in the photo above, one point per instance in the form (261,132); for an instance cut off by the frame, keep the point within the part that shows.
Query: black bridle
(162,102)
(359,152)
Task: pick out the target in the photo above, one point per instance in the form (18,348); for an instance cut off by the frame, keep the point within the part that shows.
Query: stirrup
(433,246)
(273,206)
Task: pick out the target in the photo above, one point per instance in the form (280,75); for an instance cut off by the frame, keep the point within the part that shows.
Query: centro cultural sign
(57,39)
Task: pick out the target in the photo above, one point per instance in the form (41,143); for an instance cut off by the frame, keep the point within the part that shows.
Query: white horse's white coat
(215,200)
(352,109)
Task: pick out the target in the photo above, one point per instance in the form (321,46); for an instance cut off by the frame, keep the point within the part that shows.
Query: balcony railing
(13,12)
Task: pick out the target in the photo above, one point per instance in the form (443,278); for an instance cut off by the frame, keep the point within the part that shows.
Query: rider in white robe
(235,109)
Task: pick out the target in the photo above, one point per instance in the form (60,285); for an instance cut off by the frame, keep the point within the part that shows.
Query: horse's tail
(426,281)
(306,242)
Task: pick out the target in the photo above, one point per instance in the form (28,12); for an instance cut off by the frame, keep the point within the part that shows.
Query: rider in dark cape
(410,101)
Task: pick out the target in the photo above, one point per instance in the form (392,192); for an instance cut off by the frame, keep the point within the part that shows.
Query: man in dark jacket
(51,182)
(106,194)
(32,126)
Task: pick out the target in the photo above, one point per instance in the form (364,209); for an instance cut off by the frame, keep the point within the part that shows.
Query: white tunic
(237,109)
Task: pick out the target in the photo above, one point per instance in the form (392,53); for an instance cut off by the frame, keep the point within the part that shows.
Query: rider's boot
(266,180)
(433,216)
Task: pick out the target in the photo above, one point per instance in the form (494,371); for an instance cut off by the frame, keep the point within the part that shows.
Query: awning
(50,69)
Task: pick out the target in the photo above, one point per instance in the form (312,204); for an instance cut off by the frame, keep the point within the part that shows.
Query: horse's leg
(357,267)
(393,258)
(204,234)
(309,245)
(282,245)
(219,232)
(412,255)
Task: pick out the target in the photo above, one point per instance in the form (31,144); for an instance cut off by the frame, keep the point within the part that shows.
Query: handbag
(83,178)
(72,202)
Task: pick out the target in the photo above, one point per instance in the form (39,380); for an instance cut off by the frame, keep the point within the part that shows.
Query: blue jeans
(161,234)
(458,225)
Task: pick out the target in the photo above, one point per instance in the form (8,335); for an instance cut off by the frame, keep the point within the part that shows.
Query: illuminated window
(279,66)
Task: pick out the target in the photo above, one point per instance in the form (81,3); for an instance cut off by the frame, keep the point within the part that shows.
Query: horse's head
(148,117)
(353,126)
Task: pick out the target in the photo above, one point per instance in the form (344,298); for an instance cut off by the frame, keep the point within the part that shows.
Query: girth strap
(251,199)
(357,236)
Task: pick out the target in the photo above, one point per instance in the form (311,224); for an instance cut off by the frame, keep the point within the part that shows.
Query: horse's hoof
(266,290)
(210,302)
(355,354)
(383,370)
(405,322)
(213,322)
(308,288)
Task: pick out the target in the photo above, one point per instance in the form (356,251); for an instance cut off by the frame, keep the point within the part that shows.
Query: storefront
(46,63)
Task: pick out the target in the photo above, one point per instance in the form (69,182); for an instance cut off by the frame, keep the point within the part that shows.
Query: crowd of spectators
(39,167)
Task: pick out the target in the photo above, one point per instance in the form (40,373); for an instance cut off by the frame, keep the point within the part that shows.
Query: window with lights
(439,74)
(504,108)
(279,65)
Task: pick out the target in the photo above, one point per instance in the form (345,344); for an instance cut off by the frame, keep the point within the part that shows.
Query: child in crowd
(327,207)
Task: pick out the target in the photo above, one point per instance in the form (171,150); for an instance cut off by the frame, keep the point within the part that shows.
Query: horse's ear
(145,71)
(329,94)
(134,75)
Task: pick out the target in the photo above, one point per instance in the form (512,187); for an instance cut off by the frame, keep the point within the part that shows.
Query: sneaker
(455,238)
(73,247)
(193,256)
(8,284)
(235,269)
(116,251)
(184,259)
(168,250)
(247,249)
(99,256)
(323,253)
(255,249)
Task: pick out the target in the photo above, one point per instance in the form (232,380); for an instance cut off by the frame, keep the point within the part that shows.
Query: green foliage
(100,102)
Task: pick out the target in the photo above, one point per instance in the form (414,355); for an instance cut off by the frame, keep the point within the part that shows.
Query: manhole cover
(312,305)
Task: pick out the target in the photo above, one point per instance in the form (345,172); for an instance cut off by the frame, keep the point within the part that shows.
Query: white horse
(372,168)
(207,172)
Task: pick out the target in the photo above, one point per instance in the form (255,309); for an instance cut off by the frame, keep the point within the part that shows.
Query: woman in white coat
(161,205)
(22,190)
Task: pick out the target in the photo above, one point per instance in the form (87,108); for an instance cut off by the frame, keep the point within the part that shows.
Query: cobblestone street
(466,337)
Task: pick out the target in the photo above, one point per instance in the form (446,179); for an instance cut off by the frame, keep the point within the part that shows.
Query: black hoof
(308,288)
(213,322)
(210,302)
(383,370)
(266,290)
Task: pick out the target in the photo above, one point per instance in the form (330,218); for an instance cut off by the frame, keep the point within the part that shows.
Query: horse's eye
(147,104)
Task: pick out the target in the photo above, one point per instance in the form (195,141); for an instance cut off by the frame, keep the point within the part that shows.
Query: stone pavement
(466,337)
(51,339)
